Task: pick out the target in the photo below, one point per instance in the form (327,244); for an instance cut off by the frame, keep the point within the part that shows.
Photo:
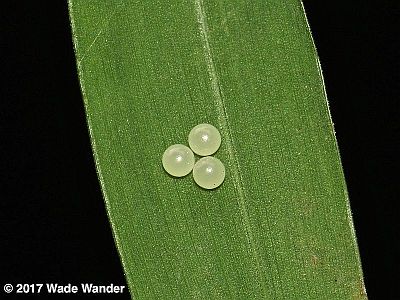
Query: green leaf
(280,226)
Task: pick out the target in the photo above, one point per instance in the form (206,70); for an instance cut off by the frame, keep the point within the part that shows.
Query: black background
(54,227)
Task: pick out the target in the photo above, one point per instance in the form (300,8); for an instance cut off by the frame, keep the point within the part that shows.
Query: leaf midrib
(218,99)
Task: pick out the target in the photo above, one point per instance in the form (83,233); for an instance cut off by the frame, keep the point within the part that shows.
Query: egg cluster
(208,172)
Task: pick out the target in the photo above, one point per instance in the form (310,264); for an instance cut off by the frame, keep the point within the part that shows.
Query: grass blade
(280,226)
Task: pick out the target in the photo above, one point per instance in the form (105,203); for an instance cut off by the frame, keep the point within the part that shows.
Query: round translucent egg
(178,160)
(209,172)
(204,139)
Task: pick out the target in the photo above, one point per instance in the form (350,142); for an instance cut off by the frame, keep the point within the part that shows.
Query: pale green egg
(178,160)
(209,172)
(204,139)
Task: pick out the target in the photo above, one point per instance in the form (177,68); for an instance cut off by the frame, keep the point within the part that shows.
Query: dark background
(54,227)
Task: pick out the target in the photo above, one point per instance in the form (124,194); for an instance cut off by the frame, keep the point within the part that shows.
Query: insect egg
(178,160)
(209,172)
(204,139)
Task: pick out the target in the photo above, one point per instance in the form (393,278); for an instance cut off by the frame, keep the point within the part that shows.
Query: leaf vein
(225,129)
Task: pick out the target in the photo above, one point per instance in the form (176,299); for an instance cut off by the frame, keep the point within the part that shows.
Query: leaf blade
(272,231)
